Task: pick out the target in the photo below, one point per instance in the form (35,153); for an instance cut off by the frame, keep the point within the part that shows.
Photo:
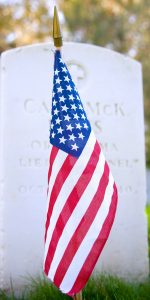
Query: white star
(80,107)
(68,88)
(83,116)
(71,97)
(54,102)
(62,140)
(52,125)
(73,106)
(56,111)
(69,127)
(53,94)
(56,72)
(60,130)
(74,147)
(66,78)
(67,118)
(58,80)
(59,89)
(53,135)
(58,121)
(85,126)
(64,69)
(62,98)
(78,98)
(81,136)
(75,116)
(72,137)
(64,108)
(78,126)
(60,59)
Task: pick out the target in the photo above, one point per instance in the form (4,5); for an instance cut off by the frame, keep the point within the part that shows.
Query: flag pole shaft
(78,296)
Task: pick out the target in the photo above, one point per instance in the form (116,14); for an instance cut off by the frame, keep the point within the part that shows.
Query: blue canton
(70,128)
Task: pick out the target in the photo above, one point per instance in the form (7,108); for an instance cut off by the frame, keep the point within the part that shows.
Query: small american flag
(82,194)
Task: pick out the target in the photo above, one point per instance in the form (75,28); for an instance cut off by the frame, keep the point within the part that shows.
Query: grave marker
(110,86)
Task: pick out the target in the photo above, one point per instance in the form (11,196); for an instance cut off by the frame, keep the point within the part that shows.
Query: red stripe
(60,179)
(71,203)
(97,248)
(53,154)
(82,228)
(52,157)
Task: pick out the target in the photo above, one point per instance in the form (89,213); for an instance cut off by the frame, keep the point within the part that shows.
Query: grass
(100,288)
(148,217)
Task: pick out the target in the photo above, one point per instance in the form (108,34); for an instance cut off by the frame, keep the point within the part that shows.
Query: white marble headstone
(110,86)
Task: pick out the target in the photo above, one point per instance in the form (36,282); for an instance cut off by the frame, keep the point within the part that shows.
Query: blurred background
(120,25)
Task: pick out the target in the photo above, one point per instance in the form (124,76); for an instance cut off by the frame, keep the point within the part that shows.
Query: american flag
(82,194)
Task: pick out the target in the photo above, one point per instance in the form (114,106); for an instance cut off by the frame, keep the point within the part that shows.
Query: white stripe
(50,146)
(58,162)
(77,215)
(90,238)
(69,185)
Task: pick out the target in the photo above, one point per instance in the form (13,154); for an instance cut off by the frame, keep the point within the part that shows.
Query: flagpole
(57,37)
(78,296)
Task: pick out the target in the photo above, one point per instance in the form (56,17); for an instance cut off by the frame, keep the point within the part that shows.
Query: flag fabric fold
(82,194)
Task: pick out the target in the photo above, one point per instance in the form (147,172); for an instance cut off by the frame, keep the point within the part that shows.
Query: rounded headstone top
(74,48)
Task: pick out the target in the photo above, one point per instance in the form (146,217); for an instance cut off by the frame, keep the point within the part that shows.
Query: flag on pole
(82,194)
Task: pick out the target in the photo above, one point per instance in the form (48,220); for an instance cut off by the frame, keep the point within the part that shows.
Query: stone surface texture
(110,86)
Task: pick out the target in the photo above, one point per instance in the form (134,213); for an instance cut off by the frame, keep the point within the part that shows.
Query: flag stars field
(71,97)
(81,136)
(60,60)
(62,140)
(52,125)
(56,72)
(59,89)
(54,102)
(66,78)
(69,127)
(78,126)
(58,81)
(58,121)
(53,134)
(64,69)
(72,137)
(69,88)
(62,99)
(75,147)
(56,111)
(69,122)
(64,108)
(60,130)
(75,116)
(67,118)
(73,106)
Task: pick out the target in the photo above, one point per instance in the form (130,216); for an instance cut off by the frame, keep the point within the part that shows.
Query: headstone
(1,198)
(110,86)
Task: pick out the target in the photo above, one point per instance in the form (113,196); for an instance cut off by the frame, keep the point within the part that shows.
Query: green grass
(101,288)
(148,217)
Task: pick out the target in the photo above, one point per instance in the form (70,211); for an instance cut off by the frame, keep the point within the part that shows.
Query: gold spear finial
(56,30)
